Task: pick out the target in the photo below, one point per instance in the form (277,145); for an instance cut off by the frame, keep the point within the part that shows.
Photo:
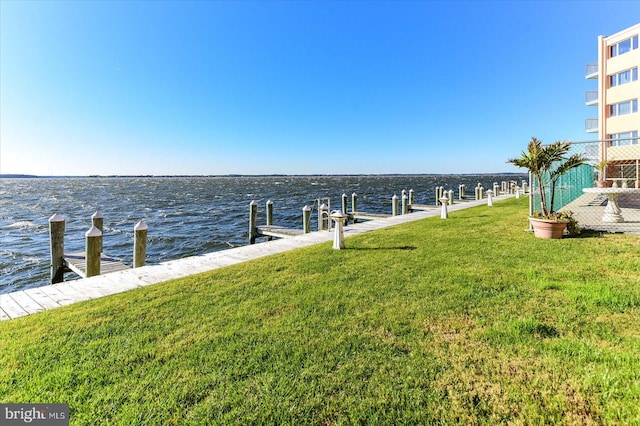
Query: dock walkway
(33,300)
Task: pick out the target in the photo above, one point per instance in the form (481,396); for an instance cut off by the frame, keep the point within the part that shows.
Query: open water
(186,216)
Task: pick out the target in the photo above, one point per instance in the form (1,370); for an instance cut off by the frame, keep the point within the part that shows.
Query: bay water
(186,216)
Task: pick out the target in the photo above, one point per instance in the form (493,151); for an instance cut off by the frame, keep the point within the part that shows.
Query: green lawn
(469,320)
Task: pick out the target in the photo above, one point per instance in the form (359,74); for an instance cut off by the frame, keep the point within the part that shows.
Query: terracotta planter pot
(543,228)
(603,184)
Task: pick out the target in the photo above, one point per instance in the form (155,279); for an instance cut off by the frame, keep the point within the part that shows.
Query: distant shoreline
(24,176)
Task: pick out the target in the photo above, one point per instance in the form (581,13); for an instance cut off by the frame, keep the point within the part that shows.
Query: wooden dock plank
(42,298)
(77,262)
(367,216)
(3,315)
(26,302)
(56,295)
(278,231)
(11,307)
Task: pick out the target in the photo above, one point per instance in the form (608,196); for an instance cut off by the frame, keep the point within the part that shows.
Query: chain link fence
(604,194)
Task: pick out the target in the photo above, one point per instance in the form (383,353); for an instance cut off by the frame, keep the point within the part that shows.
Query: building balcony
(591,97)
(591,71)
(591,125)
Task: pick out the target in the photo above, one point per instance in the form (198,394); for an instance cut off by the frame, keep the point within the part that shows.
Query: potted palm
(547,163)
(601,167)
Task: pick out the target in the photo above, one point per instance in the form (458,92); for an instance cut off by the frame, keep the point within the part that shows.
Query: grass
(468,320)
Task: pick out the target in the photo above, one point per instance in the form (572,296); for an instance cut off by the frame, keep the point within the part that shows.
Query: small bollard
(93,238)
(490,198)
(405,204)
(323,218)
(394,205)
(269,212)
(56,240)
(338,236)
(253,221)
(98,221)
(306,219)
(444,214)
(139,243)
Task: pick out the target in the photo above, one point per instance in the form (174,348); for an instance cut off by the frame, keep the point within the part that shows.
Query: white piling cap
(395,197)
(323,206)
(141,226)
(269,202)
(253,203)
(306,209)
(56,218)
(97,215)
(93,232)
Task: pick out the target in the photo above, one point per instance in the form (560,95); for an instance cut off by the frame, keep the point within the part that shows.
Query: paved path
(31,301)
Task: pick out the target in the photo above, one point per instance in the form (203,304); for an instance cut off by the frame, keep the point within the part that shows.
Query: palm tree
(547,164)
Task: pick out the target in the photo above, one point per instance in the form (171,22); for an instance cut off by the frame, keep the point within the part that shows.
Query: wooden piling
(412,195)
(323,217)
(306,219)
(97,220)
(394,205)
(269,212)
(253,221)
(139,244)
(93,239)
(354,202)
(56,240)
(345,200)
(405,204)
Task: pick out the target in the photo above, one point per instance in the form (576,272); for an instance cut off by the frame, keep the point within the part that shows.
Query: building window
(623,47)
(625,138)
(623,108)
(623,77)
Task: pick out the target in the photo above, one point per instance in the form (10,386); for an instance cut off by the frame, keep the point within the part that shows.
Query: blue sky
(296,87)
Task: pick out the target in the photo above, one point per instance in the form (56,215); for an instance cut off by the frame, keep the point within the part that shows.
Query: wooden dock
(77,262)
(278,231)
(367,216)
(26,302)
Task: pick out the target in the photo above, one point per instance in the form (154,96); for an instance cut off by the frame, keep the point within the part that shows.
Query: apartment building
(616,99)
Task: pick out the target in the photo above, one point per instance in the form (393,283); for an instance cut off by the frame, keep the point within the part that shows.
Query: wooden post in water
(139,244)
(269,212)
(306,219)
(97,220)
(323,217)
(93,239)
(405,203)
(496,189)
(412,195)
(450,196)
(461,191)
(56,240)
(345,200)
(253,221)
(354,202)
(394,205)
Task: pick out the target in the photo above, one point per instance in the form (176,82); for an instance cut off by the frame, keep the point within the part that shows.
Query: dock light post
(338,236)
(444,201)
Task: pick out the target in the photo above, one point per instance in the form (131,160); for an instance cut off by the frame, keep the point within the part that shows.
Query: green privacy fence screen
(568,188)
